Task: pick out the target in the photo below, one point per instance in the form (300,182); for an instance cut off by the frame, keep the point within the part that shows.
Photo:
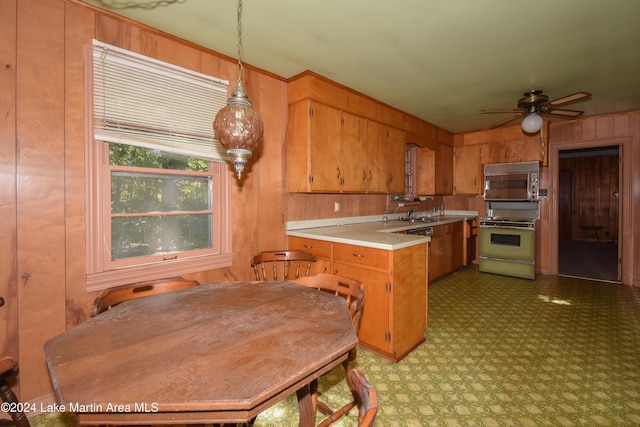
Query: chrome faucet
(410,213)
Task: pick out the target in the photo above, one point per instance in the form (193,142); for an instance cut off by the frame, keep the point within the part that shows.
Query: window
(158,187)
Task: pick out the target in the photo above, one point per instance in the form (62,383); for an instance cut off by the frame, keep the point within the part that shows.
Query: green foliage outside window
(155,212)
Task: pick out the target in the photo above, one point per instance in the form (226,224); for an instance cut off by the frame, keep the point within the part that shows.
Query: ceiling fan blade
(569,98)
(564,113)
(507,120)
(501,110)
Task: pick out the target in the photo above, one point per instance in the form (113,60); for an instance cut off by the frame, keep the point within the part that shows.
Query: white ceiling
(440,60)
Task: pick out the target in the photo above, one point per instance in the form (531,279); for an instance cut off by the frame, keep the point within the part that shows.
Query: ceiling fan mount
(532,101)
(536,102)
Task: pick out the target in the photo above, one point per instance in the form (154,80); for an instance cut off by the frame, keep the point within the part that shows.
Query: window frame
(101,272)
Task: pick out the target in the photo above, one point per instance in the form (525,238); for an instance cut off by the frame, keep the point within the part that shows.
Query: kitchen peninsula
(392,264)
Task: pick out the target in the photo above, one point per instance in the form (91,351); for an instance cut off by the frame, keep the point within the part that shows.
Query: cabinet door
(467,170)
(395,159)
(374,325)
(426,179)
(320,248)
(444,169)
(377,161)
(326,148)
(299,147)
(354,153)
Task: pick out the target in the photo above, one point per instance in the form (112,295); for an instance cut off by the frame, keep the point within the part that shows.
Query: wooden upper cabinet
(314,151)
(332,151)
(426,179)
(362,140)
(326,148)
(444,169)
(354,153)
(376,157)
(396,161)
(467,168)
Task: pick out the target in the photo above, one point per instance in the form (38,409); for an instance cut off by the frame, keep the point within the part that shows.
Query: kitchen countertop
(372,231)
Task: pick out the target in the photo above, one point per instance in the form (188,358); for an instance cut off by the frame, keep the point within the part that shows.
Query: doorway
(588,213)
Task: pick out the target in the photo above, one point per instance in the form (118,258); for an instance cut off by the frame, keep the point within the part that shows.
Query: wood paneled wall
(42,164)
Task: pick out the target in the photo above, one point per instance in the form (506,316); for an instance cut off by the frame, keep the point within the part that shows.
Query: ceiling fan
(533,104)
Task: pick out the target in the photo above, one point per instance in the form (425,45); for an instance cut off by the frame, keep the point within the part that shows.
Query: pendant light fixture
(237,126)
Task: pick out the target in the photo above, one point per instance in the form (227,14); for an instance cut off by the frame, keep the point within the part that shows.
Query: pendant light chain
(237,126)
(239,41)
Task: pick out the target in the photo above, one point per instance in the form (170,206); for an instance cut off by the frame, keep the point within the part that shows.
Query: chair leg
(335,415)
(18,417)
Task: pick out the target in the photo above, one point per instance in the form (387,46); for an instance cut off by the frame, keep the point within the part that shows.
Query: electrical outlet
(336,207)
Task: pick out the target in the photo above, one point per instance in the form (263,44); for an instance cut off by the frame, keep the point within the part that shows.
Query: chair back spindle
(277,265)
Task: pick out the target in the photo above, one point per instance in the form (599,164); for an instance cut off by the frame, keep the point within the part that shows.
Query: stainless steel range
(507,236)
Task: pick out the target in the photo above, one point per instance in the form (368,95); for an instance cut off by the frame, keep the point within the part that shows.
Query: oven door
(507,250)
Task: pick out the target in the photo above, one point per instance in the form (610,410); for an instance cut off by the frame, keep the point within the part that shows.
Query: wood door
(320,248)
(299,147)
(444,169)
(395,159)
(354,153)
(377,157)
(467,170)
(326,148)
(374,325)
(426,180)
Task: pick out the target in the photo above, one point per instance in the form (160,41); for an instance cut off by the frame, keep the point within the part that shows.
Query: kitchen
(47,270)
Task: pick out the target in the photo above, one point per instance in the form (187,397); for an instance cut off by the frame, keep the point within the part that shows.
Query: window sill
(123,276)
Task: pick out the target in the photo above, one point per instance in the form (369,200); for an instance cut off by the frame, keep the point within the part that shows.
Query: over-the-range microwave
(512,181)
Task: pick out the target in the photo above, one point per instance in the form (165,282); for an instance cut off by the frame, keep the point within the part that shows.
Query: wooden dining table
(214,353)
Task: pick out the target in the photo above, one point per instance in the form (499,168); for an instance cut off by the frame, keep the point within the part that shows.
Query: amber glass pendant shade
(238,128)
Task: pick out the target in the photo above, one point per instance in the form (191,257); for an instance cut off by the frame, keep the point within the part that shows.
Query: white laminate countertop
(371,231)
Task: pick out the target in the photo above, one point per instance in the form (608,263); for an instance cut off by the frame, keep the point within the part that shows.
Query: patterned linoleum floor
(502,351)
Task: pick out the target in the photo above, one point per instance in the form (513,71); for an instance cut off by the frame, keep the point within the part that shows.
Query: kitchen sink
(421,219)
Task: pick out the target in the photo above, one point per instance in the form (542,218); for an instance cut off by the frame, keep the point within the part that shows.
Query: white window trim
(98,276)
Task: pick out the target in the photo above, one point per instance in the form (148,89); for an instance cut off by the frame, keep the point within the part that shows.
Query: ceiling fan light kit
(534,104)
(532,123)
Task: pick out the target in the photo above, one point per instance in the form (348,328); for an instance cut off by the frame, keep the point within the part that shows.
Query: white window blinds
(148,103)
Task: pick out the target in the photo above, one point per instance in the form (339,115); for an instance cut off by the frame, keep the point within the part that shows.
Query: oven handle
(502,227)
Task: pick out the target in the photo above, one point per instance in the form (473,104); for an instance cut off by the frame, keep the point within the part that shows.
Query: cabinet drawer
(444,229)
(320,248)
(360,255)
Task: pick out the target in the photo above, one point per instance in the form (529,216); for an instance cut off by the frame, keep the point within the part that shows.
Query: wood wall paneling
(589,199)
(8,224)
(40,186)
(79,30)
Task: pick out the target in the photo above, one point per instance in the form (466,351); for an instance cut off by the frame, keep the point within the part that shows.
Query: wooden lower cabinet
(395,310)
(446,250)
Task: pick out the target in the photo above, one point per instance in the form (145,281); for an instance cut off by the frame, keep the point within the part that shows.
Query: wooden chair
(269,265)
(366,397)
(352,291)
(9,368)
(114,296)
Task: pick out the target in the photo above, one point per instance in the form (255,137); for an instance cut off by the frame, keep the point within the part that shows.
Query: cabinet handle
(307,246)
(357,255)
(364,175)
(338,173)
(370,175)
